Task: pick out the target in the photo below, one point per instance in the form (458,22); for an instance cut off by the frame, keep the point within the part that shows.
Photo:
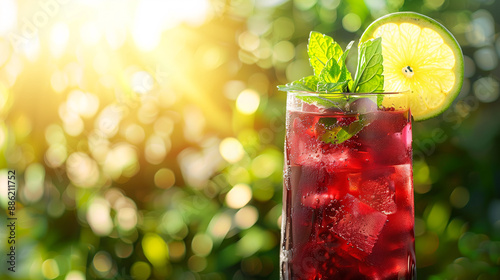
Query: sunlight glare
(101,63)
(147,26)
(115,36)
(59,37)
(13,68)
(31,48)
(153,17)
(59,81)
(90,33)
(84,104)
(5,51)
(8,16)
(142,82)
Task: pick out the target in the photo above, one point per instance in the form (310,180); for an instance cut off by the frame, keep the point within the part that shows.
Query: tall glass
(348,188)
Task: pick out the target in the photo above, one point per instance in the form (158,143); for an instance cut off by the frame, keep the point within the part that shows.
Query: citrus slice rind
(420,56)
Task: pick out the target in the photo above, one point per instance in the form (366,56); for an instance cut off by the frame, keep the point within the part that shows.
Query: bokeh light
(486,89)
(248,102)
(238,196)
(246,217)
(351,22)
(201,245)
(220,226)
(155,249)
(103,264)
(141,270)
(164,178)
(75,275)
(98,217)
(231,150)
(50,269)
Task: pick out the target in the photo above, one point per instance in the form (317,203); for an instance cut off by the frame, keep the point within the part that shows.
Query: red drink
(348,203)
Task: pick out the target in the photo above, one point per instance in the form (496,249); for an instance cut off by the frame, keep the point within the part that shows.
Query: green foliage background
(151,182)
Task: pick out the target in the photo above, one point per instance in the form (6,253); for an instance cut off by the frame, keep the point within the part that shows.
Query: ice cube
(358,224)
(375,188)
(321,190)
(322,154)
(379,194)
(388,138)
(308,179)
(305,146)
(403,179)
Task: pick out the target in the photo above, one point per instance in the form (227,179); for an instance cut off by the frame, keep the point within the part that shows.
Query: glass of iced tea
(348,190)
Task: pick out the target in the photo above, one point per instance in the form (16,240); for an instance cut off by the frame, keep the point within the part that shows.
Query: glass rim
(318,93)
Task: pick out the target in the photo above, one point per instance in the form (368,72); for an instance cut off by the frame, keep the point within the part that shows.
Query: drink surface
(348,207)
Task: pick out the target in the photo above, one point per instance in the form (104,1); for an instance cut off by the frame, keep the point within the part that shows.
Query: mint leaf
(308,83)
(331,73)
(335,76)
(369,71)
(334,134)
(343,57)
(345,75)
(332,87)
(320,49)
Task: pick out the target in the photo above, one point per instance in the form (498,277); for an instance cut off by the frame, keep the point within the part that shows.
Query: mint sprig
(330,70)
(332,76)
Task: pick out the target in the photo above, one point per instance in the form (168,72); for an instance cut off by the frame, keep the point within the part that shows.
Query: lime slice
(420,56)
